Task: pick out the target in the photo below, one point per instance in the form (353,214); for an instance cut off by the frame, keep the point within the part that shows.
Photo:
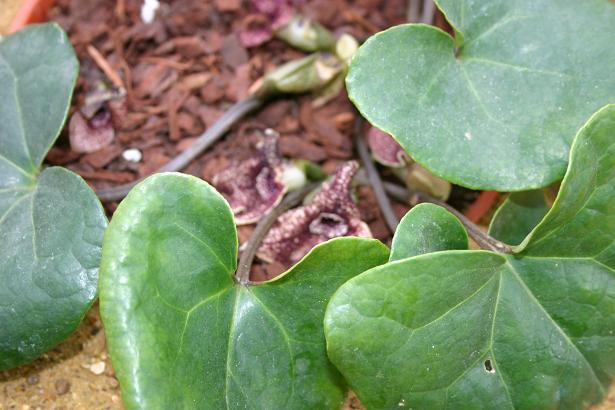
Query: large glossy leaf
(51,225)
(518,215)
(427,228)
(182,334)
(476,329)
(497,106)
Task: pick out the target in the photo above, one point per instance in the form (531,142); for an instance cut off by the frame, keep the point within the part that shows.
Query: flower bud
(307,35)
(308,74)
(346,47)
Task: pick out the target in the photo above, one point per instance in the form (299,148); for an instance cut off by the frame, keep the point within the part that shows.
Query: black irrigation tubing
(384,203)
(231,116)
(262,227)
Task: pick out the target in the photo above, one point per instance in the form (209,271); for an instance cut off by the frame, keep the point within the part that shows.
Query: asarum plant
(429,324)
(331,213)
(497,105)
(51,223)
(534,329)
(184,332)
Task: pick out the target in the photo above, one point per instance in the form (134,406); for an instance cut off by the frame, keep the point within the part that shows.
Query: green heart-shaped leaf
(427,228)
(51,225)
(476,329)
(498,106)
(183,334)
(518,215)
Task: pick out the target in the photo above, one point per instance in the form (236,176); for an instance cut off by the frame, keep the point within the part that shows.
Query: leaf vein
(286,339)
(19,112)
(209,248)
(557,327)
(228,348)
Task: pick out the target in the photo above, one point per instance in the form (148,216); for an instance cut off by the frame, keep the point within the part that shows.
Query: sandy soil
(75,375)
(8,9)
(78,375)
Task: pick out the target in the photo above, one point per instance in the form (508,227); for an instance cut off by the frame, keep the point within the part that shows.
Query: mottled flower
(253,186)
(332,213)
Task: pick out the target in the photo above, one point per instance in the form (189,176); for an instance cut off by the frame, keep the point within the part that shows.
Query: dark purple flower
(254,186)
(332,213)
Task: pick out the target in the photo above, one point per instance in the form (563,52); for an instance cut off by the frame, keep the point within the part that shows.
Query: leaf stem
(412,11)
(481,238)
(235,113)
(374,179)
(262,227)
(428,12)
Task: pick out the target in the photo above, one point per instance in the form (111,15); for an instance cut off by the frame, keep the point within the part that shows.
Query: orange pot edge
(31,11)
(481,206)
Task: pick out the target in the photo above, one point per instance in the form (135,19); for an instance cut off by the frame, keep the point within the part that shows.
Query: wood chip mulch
(182,71)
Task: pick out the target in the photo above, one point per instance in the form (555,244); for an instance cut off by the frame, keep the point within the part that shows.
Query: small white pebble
(132,155)
(98,367)
(148,10)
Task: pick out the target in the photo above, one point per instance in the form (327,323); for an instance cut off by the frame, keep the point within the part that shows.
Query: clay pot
(31,11)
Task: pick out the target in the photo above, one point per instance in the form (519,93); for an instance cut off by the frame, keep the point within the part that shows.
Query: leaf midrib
(238,289)
(232,325)
(557,326)
(490,345)
(287,338)
(13,205)
(19,116)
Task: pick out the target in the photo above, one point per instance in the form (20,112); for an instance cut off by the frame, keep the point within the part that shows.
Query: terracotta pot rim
(481,206)
(30,11)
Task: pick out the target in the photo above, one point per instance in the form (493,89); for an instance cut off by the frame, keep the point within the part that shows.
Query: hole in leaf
(489,367)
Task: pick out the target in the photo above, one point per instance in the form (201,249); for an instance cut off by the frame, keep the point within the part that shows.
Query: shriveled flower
(332,213)
(90,135)
(254,186)
(270,16)
(385,149)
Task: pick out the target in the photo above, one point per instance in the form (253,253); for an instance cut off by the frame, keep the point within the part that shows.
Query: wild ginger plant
(429,324)
(497,105)
(534,328)
(51,223)
(187,329)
